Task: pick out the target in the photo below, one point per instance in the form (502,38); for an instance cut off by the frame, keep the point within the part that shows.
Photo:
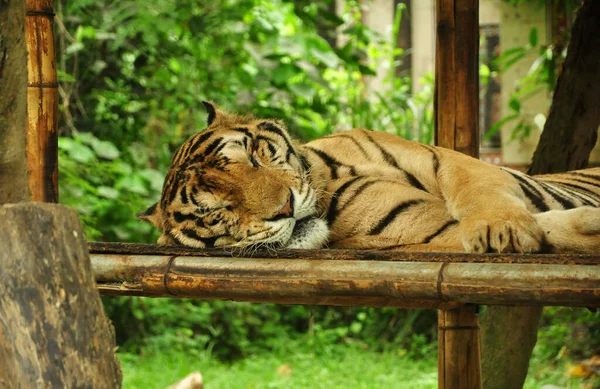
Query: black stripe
(264,138)
(181,217)
(331,212)
(304,162)
(594,184)
(584,200)
(387,157)
(202,137)
(440,230)
(183,193)
(221,147)
(383,223)
(564,202)
(174,238)
(212,146)
(172,191)
(207,242)
(210,242)
(356,143)
(586,175)
(435,161)
(243,130)
(356,193)
(413,181)
(270,127)
(578,189)
(331,162)
(530,192)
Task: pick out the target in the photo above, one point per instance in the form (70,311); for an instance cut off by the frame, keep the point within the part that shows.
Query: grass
(331,367)
(299,365)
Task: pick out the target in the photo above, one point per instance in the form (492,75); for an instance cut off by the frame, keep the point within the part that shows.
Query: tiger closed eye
(254,161)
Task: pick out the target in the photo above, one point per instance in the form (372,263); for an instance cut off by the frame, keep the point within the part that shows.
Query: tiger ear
(151,215)
(213,112)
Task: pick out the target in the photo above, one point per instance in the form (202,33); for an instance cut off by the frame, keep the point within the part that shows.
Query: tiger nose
(288,208)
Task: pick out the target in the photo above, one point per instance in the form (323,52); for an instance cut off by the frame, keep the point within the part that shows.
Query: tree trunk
(13,102)
(53,331)
(571,130)
(509,333)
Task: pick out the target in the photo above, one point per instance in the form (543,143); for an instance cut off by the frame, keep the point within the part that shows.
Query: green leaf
(533,37)
(366,70)
(75,47)
(174,65)
(81,153)
(133,184)
(65,77)
(65,143)
(108,192)
(85,32)
(85,137)
(514,104)
(283,73)
(496,127)
(304,90)
(154,177)
(105,149)
(329,58)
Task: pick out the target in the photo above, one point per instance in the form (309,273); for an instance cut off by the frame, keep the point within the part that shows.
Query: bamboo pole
(456,107)
(354,255)
(431,285)
(42,101)
(458,345)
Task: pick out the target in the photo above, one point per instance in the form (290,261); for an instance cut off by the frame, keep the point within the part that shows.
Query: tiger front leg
(504,230)
(490,207)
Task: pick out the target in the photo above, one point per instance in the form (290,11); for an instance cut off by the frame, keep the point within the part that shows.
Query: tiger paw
(502,231)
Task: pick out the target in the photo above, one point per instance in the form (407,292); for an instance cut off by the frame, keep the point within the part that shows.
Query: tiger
(244,182)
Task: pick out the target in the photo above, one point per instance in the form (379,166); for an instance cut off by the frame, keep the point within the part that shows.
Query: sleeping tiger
(243,182)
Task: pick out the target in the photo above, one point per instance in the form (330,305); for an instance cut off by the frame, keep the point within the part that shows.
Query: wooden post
(456,107)
(13,102)
(456,101)
(42,101)
(53,331)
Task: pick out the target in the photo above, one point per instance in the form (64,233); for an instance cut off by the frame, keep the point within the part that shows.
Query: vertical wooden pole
(456,107)
(456,101)
(42,101)
(459,358)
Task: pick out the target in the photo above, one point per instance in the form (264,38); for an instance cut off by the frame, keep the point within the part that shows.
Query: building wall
(515,24)
(379,15)
(423,37)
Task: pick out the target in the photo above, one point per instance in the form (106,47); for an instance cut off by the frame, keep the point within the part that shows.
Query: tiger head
(238,183)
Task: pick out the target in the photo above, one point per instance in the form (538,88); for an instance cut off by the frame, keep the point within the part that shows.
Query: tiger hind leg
(575,230)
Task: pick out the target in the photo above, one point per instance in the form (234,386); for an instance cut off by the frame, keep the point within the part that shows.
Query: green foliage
(572,333)
(106,186)
(232,330)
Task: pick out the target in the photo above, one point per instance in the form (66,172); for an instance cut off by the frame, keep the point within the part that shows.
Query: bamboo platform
(348,277)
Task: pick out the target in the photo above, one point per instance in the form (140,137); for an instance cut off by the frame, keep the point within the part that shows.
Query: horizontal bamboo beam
(357,255)
(380,283)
